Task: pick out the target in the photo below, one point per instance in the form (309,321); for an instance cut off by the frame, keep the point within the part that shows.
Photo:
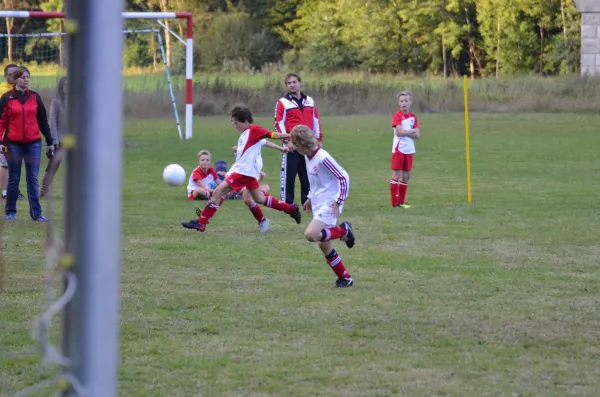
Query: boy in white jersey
(406,129)
(203,179)
(245,171)
(329,184)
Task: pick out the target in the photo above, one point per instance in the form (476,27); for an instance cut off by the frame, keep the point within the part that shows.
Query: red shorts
(401,161)
(237,182)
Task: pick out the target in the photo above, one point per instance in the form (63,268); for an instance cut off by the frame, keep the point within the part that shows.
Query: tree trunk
(498,52)
(541,49)
(444,58)
(164,8)
(9,26)
(471,46)
(61,59)
(153,49)
(564,19)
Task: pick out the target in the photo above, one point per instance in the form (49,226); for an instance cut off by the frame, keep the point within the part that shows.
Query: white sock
(4,192)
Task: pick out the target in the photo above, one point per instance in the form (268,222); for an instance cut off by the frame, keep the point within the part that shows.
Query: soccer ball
(174,174)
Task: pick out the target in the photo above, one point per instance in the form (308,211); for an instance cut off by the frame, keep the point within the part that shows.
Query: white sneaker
(264,225)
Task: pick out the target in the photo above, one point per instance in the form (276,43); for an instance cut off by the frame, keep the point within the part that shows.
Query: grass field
(497,298)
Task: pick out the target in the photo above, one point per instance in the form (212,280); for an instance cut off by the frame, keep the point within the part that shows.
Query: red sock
(336,264)
(272,202)
(333,233)
(207,213)
(394,192)
(257,212)
(403,187)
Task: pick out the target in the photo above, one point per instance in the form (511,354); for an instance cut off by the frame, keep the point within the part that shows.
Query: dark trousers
(293,164)
(31,153)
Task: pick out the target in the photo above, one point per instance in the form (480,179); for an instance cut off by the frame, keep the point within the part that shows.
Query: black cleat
(296,214)
(344,282)
(349,237)
(194,225)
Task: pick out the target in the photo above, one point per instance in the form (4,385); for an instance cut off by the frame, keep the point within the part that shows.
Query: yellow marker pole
(468,151)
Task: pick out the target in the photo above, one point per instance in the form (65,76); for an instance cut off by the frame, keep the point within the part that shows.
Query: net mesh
(30,359)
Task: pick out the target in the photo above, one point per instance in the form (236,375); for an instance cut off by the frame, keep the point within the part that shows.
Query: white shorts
(324,213)
(3,162)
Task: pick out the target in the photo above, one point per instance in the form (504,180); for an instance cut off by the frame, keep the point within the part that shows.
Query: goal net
(156,61)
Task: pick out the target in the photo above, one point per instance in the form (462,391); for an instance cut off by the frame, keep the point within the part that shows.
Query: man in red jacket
(295,108)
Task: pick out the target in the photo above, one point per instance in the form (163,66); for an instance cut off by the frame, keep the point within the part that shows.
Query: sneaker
(296,214)
(40,219)
(405,206)
(11,216)
(349,237)
(264,225)
(194,224)
(344,282)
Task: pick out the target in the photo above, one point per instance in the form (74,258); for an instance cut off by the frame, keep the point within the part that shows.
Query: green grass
(489,299)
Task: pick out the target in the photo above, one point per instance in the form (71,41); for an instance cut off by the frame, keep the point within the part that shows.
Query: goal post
(188,42)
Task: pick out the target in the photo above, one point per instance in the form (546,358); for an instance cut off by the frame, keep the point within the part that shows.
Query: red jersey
(288,114)
(406,121)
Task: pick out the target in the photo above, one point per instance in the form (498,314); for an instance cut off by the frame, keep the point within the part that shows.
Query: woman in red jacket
(23,116)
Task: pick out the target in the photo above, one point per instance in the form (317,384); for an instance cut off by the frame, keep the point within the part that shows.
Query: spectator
(5,86)
(292,109)
(58,122)
(23,117)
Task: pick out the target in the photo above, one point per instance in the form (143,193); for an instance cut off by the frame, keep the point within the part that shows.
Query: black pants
(293,164)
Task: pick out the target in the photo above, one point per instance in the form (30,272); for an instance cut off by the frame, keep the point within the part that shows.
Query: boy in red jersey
(204,178)
(406,129)
(329,184)
(245,171)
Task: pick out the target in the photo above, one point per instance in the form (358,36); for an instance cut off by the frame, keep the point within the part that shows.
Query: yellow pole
(468,152)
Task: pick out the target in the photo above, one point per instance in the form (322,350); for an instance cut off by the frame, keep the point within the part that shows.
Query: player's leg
(395,187)
(210,208)
(288,176)
(313,233)
(269,201)
(304,182)
(406,168)
(200,194)
(263,222)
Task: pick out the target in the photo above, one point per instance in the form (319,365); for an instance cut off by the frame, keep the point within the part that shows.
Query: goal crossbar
(189,45)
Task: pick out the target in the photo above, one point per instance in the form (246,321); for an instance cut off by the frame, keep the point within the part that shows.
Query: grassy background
(489,299)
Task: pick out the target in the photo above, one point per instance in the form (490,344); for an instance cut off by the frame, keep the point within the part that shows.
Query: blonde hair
(17,73)
(204,153)
(304,138)
(404,93)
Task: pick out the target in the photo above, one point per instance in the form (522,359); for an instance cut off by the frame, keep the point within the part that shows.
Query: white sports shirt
(405,121)
(248,159)
(328,180)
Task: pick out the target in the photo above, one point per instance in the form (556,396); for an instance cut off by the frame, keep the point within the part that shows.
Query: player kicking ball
(329,184)
(245,172)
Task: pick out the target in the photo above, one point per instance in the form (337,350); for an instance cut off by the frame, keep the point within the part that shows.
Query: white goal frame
(189,50)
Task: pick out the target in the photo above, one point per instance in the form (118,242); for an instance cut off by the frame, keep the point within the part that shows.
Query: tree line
(434,37)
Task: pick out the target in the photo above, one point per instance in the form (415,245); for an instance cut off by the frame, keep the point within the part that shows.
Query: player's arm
(340,175)
(416,133)
(197,178)
(278,135)
(317,125)
(276,147)
(399,131)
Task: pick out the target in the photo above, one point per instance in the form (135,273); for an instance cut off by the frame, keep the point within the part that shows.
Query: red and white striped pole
(189,46)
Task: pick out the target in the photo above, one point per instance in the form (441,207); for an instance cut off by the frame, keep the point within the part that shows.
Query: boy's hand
(307,206)
(335,209)
(234,148)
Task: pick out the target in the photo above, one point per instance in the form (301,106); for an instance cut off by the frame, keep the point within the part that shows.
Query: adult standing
(5,86)
(292,109)
(58,120)
(23,117)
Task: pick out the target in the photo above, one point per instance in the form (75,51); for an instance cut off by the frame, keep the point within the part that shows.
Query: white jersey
(405,121)
(328,180)
(207,179)
(248,159)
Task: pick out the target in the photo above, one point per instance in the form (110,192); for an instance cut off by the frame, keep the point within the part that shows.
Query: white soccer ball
(174,174)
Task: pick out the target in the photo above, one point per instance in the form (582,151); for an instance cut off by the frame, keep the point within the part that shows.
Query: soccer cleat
(40,219)
(348,238)
(296,214)
(344,282)
(194,225)
(405,206)
(11,216)
(198,211)
(264,225)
